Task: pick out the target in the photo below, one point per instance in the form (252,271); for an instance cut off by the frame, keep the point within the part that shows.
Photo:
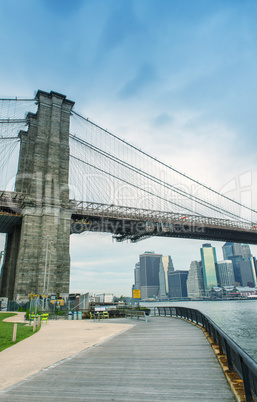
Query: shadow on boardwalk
(164,359)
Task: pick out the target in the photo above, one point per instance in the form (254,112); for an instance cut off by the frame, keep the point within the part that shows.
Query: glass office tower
(149,274)
(209,262)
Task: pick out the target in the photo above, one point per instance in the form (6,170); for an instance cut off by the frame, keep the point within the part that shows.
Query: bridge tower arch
(43,178)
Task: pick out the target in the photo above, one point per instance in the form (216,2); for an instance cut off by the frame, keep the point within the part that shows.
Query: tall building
(236,259)
(246,251)
(137,276)
(228,250)
(149,274)
(209,262)
(195,285)
(162,282)
(166,266)
(225,273)
(238,250)
(178,283)
(248,272)
(237,253)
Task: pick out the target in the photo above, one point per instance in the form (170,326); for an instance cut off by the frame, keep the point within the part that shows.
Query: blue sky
(175,78)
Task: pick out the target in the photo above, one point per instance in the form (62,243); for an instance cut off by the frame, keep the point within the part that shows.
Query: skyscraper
(228,250)
(149,274)
(225,273)
(137,276)
(237,253)
(236,259)
(209,262)
(166,266)
(178,283)
(246,251)
(248,272)
(195,285)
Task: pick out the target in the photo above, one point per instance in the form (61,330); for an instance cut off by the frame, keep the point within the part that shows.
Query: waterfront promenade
(164,359)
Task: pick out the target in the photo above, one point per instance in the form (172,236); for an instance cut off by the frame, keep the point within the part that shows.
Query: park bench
(43,317)
(136,314)
(99,314)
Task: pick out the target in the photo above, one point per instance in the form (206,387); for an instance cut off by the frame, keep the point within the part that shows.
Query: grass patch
(6,331)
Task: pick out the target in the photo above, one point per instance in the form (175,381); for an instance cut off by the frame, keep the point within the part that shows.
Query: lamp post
(44,288)
(1,255)
(49,270)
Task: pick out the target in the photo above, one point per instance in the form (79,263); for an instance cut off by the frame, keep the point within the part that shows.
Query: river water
(238,318)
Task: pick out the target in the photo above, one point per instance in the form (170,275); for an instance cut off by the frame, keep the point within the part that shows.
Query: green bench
(43,317)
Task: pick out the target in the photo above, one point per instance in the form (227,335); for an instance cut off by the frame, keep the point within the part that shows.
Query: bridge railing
(126,212)
(237,358)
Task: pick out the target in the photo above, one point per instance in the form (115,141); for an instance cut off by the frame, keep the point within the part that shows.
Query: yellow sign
(136,294)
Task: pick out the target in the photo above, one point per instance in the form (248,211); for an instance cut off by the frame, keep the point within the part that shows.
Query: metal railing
(237,358)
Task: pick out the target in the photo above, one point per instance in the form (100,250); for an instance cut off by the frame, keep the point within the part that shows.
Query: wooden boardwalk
(164,359)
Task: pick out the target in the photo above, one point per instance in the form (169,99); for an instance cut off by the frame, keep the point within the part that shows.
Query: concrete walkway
(164,359)
(55,341)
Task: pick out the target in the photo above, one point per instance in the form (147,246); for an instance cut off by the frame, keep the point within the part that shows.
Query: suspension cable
(164,164)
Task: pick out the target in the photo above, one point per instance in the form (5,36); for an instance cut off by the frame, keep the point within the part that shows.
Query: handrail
(237,358)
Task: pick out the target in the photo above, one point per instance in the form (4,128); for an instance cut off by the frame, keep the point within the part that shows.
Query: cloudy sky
(175,78)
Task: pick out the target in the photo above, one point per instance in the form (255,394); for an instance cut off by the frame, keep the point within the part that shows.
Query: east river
(238,318)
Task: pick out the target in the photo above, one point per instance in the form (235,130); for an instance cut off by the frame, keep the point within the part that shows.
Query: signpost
(136,294)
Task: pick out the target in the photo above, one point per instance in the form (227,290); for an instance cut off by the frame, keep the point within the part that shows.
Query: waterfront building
(149,274)
(225,273)
(195,285)
(162,282)
(137,276)
(236,259)
(177,283)
(236,252)
(209,263)
(248,272)
(168,267)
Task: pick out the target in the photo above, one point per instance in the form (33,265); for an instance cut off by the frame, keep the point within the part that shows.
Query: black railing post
(247,387)
(228,354)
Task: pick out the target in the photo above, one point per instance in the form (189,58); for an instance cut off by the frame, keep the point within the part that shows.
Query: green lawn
(6,331)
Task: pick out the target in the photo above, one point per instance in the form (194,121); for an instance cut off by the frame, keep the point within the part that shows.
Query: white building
(195,284)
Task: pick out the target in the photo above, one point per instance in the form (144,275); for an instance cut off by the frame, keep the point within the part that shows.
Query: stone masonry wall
(43,173)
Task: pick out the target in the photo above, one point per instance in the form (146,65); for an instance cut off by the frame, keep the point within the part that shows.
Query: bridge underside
(136,230)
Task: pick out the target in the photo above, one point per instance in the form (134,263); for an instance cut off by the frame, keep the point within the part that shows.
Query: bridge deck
(164,359)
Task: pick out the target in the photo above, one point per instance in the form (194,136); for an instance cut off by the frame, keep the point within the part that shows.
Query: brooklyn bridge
(74,176)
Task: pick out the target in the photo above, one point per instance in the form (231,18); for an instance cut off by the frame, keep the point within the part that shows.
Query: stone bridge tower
(41,244)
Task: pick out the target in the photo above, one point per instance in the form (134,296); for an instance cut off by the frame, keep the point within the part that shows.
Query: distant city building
(195,285)
(237,253)
(149,274)
(178,283)
(162,282)
(236,259)
(246,251)
(225,273)
(228,250)
(166,266)
(137,276)
(209,262)
(238,249)
(248,272)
